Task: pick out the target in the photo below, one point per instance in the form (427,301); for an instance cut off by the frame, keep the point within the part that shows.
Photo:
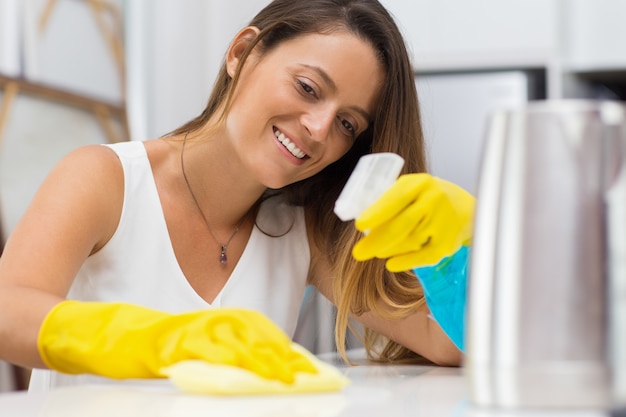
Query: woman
(231,210)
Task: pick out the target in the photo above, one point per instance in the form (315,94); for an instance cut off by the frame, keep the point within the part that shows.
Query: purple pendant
(223,257)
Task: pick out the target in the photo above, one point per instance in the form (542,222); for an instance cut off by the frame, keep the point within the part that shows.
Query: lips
(289,145)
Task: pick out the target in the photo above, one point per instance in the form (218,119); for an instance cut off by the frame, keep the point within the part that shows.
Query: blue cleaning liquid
(445,287)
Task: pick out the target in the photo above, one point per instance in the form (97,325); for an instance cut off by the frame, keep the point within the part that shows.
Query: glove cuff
(48,332)
(115,340)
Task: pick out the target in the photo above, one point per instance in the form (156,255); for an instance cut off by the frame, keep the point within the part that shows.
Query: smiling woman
(199,244)
(308,90)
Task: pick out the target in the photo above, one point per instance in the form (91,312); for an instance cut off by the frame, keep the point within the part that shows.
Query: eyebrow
(333,86)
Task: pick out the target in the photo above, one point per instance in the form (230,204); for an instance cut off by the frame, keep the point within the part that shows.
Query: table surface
(376,390)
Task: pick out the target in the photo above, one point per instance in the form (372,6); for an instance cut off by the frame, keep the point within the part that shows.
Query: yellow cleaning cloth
(200,377)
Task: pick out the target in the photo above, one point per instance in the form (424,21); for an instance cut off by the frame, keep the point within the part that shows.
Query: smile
(289,145)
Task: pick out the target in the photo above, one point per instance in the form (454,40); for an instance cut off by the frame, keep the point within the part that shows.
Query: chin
(274,180)
(276,186)
(274,183)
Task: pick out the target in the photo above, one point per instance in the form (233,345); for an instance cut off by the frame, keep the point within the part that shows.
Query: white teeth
(291,147)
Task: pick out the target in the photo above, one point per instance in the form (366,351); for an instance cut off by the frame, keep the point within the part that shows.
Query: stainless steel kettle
(548,266)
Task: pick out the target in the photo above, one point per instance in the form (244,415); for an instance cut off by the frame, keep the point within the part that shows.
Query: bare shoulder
(88,183)
(74,212)
(88,171)
(96,159)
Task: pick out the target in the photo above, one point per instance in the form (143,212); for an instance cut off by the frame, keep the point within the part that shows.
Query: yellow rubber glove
(417,222)
(119,340)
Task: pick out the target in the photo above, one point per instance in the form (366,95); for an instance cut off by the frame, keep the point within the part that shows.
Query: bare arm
(416,332)
(419,333)
(72,215)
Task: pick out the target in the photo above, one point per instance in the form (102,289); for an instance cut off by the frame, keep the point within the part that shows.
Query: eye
(306,88)
(348,127)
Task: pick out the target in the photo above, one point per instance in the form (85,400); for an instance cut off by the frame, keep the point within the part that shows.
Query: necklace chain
(223,246)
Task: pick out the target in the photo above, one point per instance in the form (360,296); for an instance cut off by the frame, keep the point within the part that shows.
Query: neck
(223,194)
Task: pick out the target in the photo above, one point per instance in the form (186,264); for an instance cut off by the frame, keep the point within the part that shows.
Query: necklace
(223,246)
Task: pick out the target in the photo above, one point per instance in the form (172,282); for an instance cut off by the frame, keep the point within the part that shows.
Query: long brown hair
(359,287)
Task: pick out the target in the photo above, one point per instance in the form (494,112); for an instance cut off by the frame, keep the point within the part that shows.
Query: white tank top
(138,264)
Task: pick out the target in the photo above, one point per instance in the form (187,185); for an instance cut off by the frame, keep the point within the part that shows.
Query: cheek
(342,146)
(335,152)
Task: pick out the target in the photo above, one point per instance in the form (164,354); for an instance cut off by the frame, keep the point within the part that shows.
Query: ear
(238,46)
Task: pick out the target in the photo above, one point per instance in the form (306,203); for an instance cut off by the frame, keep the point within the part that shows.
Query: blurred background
(77,72)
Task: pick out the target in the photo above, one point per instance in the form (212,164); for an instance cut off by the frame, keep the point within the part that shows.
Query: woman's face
(300,106)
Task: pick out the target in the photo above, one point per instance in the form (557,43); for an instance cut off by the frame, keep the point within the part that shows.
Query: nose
(318,122)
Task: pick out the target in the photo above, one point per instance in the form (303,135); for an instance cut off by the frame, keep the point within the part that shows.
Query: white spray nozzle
(373,174)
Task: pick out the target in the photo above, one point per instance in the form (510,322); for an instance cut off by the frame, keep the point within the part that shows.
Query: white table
(376,390)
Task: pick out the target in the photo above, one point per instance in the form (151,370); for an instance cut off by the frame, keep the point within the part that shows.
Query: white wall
(10,27)
(174,51)
(69,51)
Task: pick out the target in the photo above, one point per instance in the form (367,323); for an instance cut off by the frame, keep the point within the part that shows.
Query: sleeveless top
(138,264)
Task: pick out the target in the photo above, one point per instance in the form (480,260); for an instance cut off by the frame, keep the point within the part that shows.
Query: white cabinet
(453,34)
(568,39)
(473,56)
(593,35)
